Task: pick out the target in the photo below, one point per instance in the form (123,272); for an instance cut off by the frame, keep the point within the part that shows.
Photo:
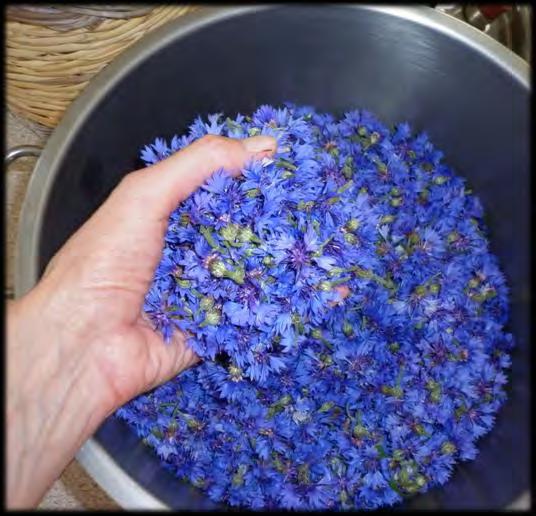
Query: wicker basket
(53,51)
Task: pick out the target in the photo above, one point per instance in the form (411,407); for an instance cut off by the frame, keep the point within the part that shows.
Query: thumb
(162,186)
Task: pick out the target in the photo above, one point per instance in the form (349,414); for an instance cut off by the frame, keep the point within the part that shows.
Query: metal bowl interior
(470,94)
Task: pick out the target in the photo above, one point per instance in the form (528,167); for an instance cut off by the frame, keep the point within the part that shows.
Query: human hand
(78,343)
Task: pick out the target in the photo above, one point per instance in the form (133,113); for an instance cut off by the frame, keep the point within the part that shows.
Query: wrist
(52,402)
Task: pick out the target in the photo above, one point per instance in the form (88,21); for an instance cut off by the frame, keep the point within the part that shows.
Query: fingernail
(260,144)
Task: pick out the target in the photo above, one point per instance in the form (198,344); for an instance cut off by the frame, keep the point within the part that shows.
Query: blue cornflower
(306,400)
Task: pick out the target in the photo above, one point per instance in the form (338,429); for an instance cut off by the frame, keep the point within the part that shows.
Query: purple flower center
(298,256)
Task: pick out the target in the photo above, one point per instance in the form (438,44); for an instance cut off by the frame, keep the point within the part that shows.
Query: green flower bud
(362,131)
(420,481)
(348,168)
(285,163)
(229,232)
(254,192)
(304,477)
(396,202)
(352,224)
(434,289)
(423,196)
(394,347)
(398,455)
(435,395)
(212,318)
(460,411)
(382,167)
(284,400)
(347,329)
(238,477)
(359,431)
(247,235)
(395,191)
(397,392)
(420,291)
(316,333)
(350,238)
(183,283)
(193,424)
(473,283)
(268,261)
(374,137)
(206,303)
(217,268)
(440,180)
(452,237)
(325,286)
(420,429)
(387,219)
(427,167)
(199,483)
(238,276)
(235,372)
(326,406)
(287,174)
(431,385)
(184,219)
(448,448)
(326,359)
(335,271)
(305,206)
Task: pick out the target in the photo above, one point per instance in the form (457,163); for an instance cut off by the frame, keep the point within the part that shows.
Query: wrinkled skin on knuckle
(219,150)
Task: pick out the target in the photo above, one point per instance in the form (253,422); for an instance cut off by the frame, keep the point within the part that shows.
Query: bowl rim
(94,458)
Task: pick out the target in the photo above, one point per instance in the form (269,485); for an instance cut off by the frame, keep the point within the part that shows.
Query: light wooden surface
(74,489)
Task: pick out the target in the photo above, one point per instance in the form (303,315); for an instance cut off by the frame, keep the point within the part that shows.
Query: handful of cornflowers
(348,311)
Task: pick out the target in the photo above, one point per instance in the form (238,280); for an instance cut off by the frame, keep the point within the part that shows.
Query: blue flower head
(347,309)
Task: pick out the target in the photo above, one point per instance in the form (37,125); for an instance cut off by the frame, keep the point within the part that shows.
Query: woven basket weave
(53,51)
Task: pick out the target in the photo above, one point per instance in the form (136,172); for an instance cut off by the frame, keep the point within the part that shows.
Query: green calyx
(247,235)
(279,405)
(325,286)
(396,391)
(304,476)
(347,329)
(350,238)
(434,389)
(218,269)
(352,224)
(229,232)
(206,303)
(212,318)
(326,406)
(238,477)
(359,431)
(448,448)
(235,372)
(348,168)
(387,219)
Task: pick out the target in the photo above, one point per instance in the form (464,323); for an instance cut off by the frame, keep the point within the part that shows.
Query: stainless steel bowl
(404,63)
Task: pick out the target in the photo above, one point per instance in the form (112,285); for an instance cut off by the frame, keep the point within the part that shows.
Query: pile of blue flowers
(348,310)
